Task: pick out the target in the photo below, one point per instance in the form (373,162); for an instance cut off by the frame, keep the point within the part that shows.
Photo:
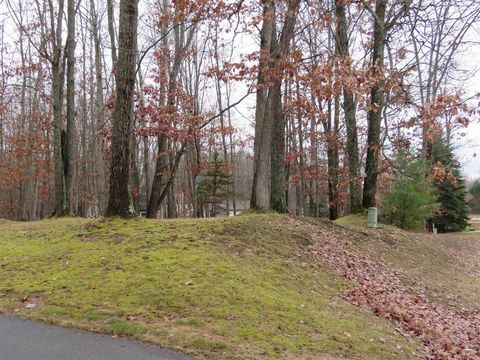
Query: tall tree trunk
(101,184)
(274,116)
(301,157)
(23,116)
(70,154)
(57,100)
(332,157)
(376,107)
(145,143)
(134,173)
(232,152)
(314,183)
(119,201)
(2,102)
(171,200)
(278,201)
(269,174)
(218,89)
(111,30)
(260,198)
(160,167)
(161,160)
(342,49)
(181,46)
(278,196)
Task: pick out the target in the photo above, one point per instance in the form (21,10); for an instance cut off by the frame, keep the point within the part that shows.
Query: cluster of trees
(439,198)
(97,118)
(412,199)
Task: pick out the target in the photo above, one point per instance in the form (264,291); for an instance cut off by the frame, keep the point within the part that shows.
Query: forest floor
(249,287)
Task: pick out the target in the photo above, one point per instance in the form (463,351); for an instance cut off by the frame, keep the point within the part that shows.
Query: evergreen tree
(411,200)
(451,190)
(212,189)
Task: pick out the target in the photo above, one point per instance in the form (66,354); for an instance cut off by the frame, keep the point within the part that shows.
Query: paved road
(28,340)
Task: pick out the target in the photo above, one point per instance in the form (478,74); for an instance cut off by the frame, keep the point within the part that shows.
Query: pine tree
(451,190)
(213,187)
(411,200)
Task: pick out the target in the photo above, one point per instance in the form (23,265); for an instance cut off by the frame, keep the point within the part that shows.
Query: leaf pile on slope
(446,332)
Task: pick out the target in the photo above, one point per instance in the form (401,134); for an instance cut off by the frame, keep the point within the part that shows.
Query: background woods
(202,108)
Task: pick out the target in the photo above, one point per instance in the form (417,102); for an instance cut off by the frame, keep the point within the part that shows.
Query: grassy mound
(239,288)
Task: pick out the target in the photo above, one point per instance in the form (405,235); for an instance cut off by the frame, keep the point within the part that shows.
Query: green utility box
(372,217)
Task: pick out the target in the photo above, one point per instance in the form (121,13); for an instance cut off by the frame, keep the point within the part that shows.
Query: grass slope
(445,265)
(239,288)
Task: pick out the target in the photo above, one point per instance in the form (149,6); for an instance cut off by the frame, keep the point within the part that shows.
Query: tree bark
(145,142)
(376,107)
(268,190)
(70,145)
(342,49)
(57,100)
(332,157)
(111,31)
(101,184)
(160,166)
(278,201)
(278,196)
(119,202)
(260,198)
(218,88)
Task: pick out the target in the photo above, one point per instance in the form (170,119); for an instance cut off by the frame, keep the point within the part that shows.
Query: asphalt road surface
(22,339)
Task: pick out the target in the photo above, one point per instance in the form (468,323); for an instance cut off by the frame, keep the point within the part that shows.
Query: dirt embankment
(448,325)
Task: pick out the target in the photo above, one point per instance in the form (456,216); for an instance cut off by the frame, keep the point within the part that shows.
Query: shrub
(412,199)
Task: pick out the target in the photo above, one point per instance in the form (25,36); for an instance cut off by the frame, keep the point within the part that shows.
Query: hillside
(444,267)
(426,284)
(249,287)
(244,288)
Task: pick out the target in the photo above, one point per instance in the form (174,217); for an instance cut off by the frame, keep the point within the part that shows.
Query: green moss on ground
(239,288)
(354,219)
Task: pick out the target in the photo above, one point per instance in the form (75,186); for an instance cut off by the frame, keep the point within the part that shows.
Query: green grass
(239,288)
(354,219)
(121,327)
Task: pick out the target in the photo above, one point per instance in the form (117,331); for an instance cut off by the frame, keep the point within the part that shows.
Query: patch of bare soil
(446,331)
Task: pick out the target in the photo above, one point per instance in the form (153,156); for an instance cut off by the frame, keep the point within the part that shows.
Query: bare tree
(268,188)
(69,156)
(377,97)
(119,201)
(440,33)
(342,49)
(183,39)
